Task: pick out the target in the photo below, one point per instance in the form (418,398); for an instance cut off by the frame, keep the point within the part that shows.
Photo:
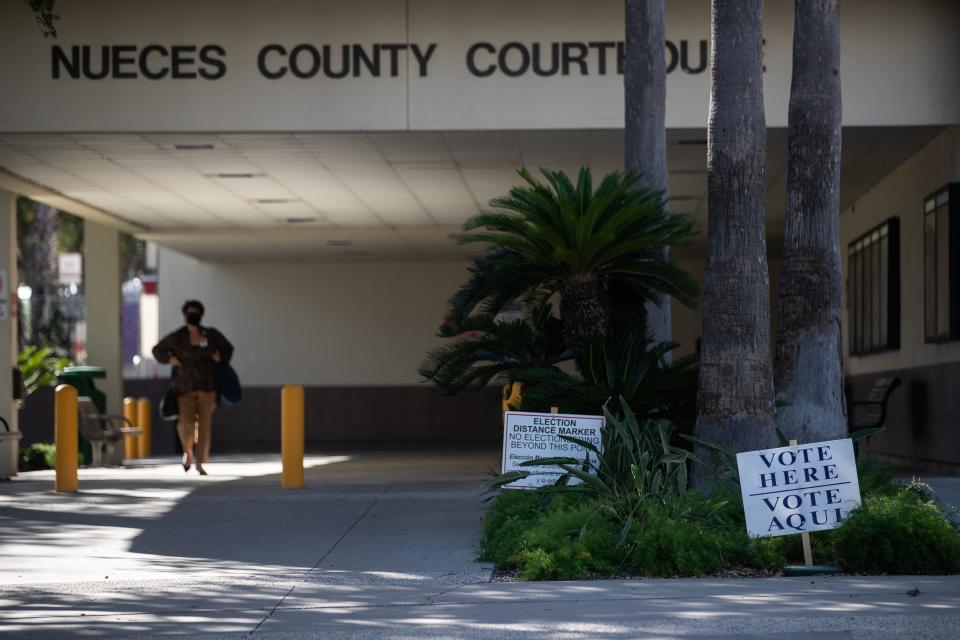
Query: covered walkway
(152,550)
(377,545)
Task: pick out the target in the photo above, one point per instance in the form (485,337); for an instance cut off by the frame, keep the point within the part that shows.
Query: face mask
(193,318)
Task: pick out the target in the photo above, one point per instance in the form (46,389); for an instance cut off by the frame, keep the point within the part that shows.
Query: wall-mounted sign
(71,268)
(798,489)
(427,65)
(528,436)
(306,60)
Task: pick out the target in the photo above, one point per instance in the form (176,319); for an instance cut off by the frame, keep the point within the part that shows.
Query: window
(941,259)
(873,289)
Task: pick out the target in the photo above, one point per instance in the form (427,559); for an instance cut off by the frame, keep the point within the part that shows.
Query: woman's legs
(206,405)
(186,424)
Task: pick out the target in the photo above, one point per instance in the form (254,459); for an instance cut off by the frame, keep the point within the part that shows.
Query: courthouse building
(305,166)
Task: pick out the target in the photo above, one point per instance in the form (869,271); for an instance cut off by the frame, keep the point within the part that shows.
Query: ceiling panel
(401,184)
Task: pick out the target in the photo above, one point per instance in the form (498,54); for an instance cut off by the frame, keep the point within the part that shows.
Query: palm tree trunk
(42,269)
(735,396)
(644,133)
(809,362)
(583,311)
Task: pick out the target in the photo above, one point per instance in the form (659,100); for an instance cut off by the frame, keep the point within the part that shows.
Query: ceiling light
(236,175)
(193,147)
(339,243)
(300,220)
(275,200)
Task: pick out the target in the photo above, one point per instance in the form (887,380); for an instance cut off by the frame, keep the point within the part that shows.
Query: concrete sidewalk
(376,546)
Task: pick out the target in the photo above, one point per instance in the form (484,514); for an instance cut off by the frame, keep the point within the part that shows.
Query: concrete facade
(101,257)
(893,54)
(306,166)
(924,411)
(900,194)
(8,325)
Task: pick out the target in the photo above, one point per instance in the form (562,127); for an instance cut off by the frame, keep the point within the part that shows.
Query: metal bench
(105,433)
(872,412)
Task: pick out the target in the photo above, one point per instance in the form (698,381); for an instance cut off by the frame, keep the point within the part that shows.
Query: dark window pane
(875,290)
(861,337)
(884,289)
(943,272)
(854,310)
(930,275)
(872,291)
(868,295)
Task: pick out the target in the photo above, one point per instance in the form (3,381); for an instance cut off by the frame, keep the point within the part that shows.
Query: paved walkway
(376,546)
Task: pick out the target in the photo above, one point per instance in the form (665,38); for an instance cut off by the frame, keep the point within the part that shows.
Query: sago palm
(625,366)
(484,350)
(569,239)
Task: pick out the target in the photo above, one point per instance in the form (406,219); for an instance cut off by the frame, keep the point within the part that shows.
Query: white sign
(4,295)
(798,489)
(71,268)
(528,436)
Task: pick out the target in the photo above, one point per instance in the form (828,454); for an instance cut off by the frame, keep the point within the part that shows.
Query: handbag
(228,383)
(169,410)
(168,406)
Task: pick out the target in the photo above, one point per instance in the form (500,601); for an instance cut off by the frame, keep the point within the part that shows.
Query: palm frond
(486,351)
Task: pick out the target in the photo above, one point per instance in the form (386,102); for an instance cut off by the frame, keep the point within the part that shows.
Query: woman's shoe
(201,470)
(187,463)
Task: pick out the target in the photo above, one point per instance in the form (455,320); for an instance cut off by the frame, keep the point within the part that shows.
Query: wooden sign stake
(805,537)
(554,410)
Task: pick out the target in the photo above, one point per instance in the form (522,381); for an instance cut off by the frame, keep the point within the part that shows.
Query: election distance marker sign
(798,489)
(529,436)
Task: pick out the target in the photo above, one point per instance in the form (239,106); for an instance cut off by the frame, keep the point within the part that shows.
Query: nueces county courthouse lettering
(305,61)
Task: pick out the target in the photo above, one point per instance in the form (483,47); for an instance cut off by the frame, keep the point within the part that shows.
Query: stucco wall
(316,324)
(900,193)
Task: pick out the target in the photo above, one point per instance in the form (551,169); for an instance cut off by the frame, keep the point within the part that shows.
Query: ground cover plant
(545,534)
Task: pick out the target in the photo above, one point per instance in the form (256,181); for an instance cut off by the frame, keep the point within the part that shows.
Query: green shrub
(875,477)
(904,533)
(568,542)
(563,538)
(510,514)
(571,537)
(635,464)
(39,456)
(665,546)
(39,366)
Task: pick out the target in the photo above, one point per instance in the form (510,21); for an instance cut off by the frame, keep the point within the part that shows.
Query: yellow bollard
(511,396)
(143,421)
(66,436)
(130,444)
(291,436)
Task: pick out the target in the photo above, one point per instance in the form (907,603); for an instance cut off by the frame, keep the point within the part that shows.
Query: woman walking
(194,351)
